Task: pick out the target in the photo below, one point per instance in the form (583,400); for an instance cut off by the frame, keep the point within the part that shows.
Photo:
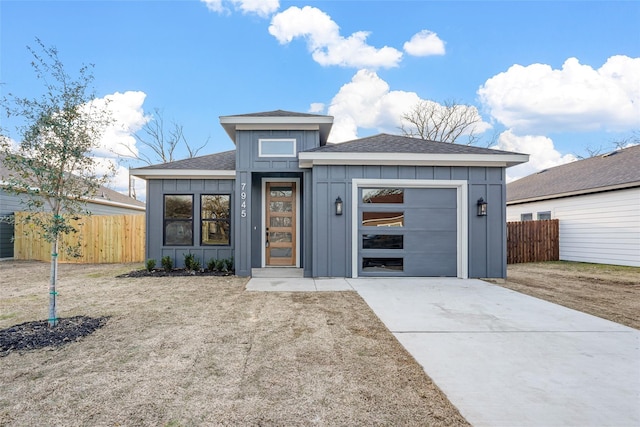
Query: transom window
(215,216)
(178,220)
(277,148)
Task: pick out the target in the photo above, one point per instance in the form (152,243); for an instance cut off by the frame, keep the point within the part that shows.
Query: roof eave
(183,173)
(309,159)
(108,202)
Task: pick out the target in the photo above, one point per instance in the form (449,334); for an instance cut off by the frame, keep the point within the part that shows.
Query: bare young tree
(159,141)
(446,122)
(617,144)
(50,167)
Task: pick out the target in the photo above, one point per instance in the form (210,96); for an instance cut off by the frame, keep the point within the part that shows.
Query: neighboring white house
(597,203)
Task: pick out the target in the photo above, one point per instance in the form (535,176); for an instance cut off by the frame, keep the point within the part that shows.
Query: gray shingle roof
(218,161)
(277,113)
(620,168)
(385,143)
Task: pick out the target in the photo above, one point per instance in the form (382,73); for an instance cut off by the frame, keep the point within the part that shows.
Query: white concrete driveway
(507,359)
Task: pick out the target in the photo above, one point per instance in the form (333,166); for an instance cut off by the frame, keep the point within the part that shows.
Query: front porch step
(276,272)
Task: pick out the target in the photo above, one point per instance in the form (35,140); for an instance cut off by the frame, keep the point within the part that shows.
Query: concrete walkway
(501,357)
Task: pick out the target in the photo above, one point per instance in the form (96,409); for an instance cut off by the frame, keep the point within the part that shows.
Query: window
(383,219)
(382,195)
(215,216)
(382,241)
(178,220)
(526,217)
(382,264)
(544,215)
(277,148)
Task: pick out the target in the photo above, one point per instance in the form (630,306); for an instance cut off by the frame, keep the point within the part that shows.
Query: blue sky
(547,78)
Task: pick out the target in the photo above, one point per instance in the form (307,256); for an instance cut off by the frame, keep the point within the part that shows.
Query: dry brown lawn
(608,291)
(192,351)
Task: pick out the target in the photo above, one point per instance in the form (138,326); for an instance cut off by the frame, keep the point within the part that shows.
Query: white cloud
(262,8)
(325,43)
(424,43)
(128,118)
(118,141)
(316,108)
(542,153)
(577,97)
(214,5)
(367,102)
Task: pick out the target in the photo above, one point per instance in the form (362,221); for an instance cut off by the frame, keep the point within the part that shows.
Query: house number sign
(243,199)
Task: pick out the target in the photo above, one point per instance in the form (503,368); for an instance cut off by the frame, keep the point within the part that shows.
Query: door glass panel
(280,237)
(382,195)
(280,221)
(281,252)
(281,206)
(382,264)
(382,241)
(281,191)
(383,219)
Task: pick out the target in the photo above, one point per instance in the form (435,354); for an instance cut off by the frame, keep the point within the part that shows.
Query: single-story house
(107,202)
(597,203)
(383,205)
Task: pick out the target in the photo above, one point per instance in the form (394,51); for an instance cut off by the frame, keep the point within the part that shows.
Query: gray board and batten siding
(251,170)
(156,189)
(332,234)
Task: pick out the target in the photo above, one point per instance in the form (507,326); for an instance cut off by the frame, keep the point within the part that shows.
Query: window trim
(227,220)
(165,219)
(291,140)
(526,214)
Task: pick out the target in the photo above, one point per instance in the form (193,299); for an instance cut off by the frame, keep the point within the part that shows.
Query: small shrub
(191,263)
(211,264)
(167,263)
(220,265)
(150,265)
(229,264)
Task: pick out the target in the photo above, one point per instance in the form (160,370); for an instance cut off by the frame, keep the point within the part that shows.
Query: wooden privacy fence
(533,241)
(103,239)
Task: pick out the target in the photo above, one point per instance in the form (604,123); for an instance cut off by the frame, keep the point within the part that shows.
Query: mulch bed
(176,272)
(37,334)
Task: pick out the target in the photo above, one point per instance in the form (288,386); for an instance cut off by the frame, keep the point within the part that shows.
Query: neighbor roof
(105,196)
(615,170)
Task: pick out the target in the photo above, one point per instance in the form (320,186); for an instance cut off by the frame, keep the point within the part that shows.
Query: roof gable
(278,120)
(619,169)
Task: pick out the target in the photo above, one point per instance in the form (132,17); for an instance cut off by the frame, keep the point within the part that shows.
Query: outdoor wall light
(338,206)
(482,207)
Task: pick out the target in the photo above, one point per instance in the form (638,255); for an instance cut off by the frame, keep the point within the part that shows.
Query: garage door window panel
(383,195)
(383,219)
(383,241)
(377,265)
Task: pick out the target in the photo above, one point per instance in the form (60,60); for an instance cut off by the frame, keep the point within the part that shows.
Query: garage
(405,231)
